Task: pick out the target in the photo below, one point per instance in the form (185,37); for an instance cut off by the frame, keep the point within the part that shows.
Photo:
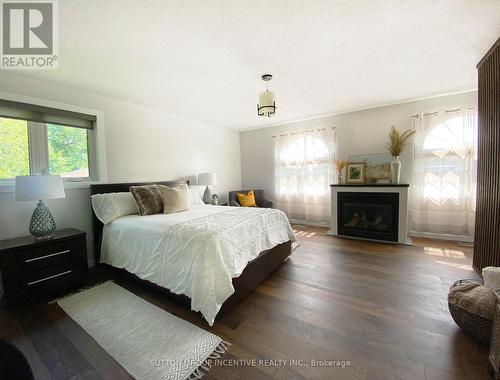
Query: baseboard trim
(307,223)
(450,237)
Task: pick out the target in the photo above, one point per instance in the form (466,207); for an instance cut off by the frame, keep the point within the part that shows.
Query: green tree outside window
(14,153)
(68,153)
(67,150)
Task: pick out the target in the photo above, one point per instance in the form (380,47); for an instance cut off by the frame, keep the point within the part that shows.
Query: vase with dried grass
(340,165)
(397,144)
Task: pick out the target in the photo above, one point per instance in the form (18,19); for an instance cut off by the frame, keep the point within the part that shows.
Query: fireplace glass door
(368,215)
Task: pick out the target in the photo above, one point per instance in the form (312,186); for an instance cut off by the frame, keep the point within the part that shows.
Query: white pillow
(194,196)
(108,207)
(491,277)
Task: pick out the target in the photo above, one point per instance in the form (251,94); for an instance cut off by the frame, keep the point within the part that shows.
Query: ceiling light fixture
(267,105)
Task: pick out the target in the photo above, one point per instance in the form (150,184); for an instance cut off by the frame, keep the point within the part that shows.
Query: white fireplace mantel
(401,189)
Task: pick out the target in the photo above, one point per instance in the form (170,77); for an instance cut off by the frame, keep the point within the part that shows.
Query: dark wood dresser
(32,269)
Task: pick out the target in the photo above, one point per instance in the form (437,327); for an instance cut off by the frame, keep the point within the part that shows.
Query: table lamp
(207,179)
(40,188)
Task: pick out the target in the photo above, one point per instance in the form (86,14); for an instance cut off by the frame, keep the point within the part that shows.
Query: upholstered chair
(260,200)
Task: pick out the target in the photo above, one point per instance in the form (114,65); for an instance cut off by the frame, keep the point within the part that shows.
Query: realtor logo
(29,34)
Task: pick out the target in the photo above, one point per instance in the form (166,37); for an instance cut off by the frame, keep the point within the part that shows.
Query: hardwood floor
(381,307)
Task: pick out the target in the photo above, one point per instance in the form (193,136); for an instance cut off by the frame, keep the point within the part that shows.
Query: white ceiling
(203,59)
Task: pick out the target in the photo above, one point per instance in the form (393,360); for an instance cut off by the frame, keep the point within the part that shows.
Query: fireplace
(368,215)
(370,211)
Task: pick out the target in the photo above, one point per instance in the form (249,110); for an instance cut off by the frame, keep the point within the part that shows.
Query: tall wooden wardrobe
(487,228)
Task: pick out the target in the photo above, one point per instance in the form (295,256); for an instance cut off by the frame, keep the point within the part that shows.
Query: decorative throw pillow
(175,199)
(108,207)
(148,198)
(247,200)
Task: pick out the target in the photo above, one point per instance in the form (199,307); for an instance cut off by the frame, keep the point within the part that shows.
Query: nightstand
(31,268)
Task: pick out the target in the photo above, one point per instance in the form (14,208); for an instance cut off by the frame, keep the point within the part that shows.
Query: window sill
(7,187)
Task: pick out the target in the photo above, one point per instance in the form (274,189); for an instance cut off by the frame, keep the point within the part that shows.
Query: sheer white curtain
(304,164)
(445,172)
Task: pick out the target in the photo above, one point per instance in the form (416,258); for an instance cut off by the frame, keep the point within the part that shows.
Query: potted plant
(397,144)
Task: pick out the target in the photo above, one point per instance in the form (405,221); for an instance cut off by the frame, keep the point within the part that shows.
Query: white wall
(360,132)
(141,144)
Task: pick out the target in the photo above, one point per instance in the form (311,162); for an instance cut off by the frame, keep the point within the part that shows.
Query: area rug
(144,339)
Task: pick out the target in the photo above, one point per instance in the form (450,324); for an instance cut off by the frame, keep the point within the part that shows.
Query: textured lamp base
(42,223)
(207,196)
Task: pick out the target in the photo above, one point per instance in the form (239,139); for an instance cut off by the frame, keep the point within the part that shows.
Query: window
(45,141)
(68,151)
(14,153)
(303,173)
(302,149)
(309,153)
(445,173)
(448,149)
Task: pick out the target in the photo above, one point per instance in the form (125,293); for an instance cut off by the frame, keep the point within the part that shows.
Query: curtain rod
(310,130)
(446,111)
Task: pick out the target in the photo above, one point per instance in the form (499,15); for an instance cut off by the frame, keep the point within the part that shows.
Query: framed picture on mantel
(356,172)
(378,166)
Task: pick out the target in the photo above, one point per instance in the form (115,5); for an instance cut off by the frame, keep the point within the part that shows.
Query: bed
(209,256)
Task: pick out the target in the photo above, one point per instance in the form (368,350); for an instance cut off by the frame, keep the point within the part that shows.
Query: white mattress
(195,252)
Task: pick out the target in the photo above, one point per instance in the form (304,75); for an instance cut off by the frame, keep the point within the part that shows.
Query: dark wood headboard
(104,188)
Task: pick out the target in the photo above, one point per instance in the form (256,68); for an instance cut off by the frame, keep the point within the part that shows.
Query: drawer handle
(48,278)
(44,257)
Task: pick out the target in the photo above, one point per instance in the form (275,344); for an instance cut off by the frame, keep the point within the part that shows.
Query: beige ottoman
(472,307)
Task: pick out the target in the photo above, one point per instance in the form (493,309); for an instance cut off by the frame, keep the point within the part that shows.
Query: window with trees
(45,141)
(14,148)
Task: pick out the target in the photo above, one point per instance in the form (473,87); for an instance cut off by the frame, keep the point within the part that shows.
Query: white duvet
(195,252)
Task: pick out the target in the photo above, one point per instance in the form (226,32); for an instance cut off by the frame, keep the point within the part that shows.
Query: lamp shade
(266,104)
(207,179)
(39,187)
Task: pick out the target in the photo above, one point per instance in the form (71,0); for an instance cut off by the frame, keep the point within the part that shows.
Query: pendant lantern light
(267,105)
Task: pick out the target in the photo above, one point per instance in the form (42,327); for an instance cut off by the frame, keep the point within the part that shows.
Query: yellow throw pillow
(247,200)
